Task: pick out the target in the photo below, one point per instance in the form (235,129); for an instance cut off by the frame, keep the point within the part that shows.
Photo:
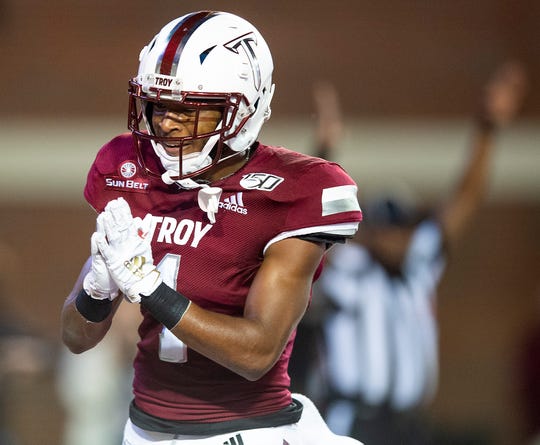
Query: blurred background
(408,74)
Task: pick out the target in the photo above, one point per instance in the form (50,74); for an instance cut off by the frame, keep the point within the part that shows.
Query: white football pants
(310,430)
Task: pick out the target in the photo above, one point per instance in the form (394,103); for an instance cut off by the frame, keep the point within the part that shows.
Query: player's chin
(173,153)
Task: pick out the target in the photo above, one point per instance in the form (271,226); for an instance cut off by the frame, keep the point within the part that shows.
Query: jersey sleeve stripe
(344,229)
(339,199)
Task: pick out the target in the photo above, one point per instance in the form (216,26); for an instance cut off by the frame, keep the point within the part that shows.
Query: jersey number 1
(171,348)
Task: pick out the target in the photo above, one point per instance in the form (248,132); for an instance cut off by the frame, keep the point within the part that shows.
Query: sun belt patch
(339,199)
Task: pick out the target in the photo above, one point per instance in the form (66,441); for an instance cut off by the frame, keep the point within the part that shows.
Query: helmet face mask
(140,123)
(202,61)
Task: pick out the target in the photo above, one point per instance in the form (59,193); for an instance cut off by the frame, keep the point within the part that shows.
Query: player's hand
(135,276)
(98,282)
(117,221)
(126,250)
(504,94)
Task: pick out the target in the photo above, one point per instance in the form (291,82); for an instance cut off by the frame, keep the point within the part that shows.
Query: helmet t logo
(246,42)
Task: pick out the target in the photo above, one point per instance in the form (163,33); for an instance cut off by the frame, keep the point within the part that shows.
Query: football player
(216,236)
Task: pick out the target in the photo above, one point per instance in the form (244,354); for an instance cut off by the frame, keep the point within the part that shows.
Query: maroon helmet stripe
(182,30)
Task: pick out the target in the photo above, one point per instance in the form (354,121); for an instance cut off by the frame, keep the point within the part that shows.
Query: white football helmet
(205,59)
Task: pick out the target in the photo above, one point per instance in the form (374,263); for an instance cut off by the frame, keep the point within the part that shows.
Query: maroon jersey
(277,194)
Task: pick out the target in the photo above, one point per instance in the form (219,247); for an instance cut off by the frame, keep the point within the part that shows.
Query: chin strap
(208,197)
(166,177)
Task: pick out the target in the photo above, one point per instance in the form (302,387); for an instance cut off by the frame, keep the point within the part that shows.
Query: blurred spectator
(95,387)
(376,302)
(22,352)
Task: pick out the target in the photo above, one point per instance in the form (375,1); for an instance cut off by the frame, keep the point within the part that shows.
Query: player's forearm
(78,333)
(246,347)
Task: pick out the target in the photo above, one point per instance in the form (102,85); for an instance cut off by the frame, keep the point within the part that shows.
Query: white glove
(127,251)
(98,282)
(117,221)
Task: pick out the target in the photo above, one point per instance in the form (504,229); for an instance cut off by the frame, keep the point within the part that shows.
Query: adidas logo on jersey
(234,203)
(236,440)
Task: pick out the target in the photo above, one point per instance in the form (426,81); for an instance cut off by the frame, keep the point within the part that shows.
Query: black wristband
(166,305)
(92,309)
